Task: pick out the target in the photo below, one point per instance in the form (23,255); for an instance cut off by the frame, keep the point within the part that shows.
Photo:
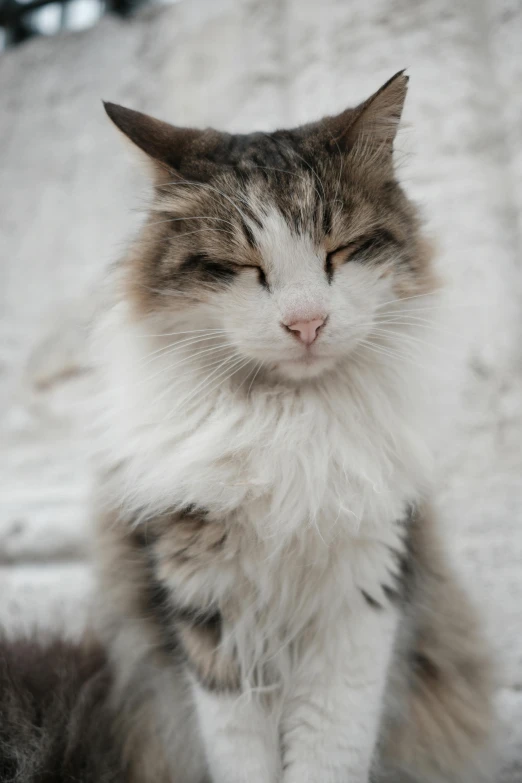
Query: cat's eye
(262,277)
(356,249)
(339,256)
(260,274)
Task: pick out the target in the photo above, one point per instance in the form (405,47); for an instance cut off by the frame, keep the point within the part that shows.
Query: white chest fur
(313,477)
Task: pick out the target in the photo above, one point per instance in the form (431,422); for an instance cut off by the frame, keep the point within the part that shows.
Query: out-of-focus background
(70,199)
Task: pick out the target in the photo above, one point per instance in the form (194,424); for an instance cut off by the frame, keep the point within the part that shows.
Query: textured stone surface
(65,211)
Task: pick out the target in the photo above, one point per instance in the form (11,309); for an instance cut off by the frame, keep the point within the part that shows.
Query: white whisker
(413,322)
(410,338)
(190,331)
(235,370)
(219,361)
(259,365)
(176,344)
(169,367)
(429,308)
(201,386)
(393,354)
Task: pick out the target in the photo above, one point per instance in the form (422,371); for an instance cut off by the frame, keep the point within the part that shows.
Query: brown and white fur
(276,604)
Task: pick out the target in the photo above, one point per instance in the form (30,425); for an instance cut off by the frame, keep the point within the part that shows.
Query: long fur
(56,722)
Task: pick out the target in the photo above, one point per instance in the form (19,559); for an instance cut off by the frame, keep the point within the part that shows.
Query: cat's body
(275,603)
(178,583)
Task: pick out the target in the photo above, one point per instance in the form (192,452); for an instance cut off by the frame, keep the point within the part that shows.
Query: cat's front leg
(240,739)
(331,721)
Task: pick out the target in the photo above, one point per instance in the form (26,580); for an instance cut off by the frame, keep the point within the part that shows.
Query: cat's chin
(306,368)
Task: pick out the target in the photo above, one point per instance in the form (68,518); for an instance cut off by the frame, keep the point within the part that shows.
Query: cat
(273,597)
(276,599)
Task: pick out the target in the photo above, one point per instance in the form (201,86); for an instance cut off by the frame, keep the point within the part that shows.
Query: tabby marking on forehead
(335,199)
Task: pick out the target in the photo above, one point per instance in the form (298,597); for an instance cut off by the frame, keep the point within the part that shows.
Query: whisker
(173,345)
(395,318)
(412,326)
(392,354)
(214,363)
(401,299)
(429,308)
(414,321)
(259,365)
(224,380)
(180,344)
(201,386)
(191,356)
(182,361)
(190,331)
(247,376)
(411,338)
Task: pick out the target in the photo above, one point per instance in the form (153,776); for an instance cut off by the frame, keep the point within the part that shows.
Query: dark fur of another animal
(56,724)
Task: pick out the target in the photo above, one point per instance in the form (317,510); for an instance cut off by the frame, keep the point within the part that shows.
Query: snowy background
(70,199)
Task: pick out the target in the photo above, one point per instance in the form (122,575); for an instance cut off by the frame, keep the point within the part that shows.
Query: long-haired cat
(274,599)
(268,558)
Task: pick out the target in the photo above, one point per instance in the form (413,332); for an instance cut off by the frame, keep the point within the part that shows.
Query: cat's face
(290,245)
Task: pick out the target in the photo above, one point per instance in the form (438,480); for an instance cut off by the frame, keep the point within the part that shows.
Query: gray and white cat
(274,599)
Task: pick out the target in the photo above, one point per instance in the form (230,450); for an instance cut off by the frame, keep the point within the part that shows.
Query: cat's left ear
(371,127)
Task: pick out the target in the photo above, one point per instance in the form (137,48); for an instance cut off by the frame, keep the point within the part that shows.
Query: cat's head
(291,245)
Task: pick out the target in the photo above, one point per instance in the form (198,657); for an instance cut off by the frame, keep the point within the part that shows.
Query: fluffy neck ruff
(341,452)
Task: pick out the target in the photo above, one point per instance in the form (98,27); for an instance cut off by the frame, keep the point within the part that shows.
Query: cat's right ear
(171,150)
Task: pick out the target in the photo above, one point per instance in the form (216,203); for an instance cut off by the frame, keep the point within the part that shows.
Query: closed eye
(339,256)
(357,250)
(262,278)
(238,267)
(217,270)
(260,274)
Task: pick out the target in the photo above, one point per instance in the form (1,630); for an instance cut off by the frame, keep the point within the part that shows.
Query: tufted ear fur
(173,150)
(371,127)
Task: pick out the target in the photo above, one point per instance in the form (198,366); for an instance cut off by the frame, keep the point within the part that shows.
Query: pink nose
(306,331)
